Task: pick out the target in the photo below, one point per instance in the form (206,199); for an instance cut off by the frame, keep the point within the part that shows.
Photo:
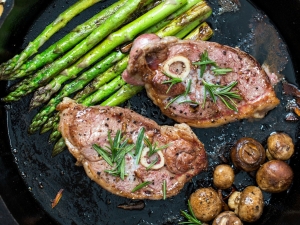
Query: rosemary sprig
(164,189)
(115,153)
(204,61)
(152,164)
(223,92)
(172,81)
(140,186)
(192,220)
(139,145)
(186,92)
(153,147)
(102,152)
(221,71)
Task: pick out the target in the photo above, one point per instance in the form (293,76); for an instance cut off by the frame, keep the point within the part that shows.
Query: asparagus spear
(59,147)
(51,29)
(78,51)
(127,91)
(199,12)
(64,44)
(51,123)
(167,20)
(126,33)
(109,74)
(104,91)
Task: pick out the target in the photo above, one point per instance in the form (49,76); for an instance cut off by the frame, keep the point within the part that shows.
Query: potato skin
(251,204)
(205,204)
(274,176)
(223,176)
(280,146)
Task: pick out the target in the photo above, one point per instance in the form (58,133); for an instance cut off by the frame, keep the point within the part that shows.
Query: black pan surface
(30,178)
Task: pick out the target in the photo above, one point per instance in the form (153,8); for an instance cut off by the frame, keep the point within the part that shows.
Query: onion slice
(145,160)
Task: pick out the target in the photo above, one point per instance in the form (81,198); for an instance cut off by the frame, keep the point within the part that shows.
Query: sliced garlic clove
(145,159)
(180,64)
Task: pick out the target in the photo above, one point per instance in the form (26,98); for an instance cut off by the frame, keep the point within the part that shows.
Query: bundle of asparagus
(92,46)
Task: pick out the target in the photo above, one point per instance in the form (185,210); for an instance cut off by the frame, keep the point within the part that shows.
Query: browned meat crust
(82,127)
(146,67)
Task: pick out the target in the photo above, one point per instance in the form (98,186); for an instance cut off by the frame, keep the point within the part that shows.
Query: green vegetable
(123,94)
(47,73)
(126,33)
(167,20)
(59,147)
(64,44)
(51,29)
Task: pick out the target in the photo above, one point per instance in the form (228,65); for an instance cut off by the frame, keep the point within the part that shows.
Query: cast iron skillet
(30,178)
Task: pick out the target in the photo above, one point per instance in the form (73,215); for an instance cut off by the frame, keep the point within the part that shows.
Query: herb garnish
(204,61)
(173,81)
(140,186)
(216,90)
(139,145)
(186,92)
(153,147)
(223,92)
(192,220)
(115,153)
(164,189)
(221,71)
(152,164)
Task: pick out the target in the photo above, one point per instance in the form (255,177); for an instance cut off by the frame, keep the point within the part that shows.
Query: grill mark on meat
(258,96)
(95,122)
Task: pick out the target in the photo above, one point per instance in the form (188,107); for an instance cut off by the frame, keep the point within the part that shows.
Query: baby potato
(223,176)
(274,176)
(280,146)
(206,204)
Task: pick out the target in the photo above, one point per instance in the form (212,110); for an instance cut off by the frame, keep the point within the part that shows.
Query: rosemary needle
(140,186)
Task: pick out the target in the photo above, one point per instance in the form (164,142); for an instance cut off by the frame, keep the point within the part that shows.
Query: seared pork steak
(178,155)
(203,84)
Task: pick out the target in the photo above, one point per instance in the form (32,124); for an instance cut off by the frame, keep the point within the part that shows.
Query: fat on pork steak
(181,78)
(180,154)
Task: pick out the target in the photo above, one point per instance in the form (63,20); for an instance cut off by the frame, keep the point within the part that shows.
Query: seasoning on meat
(85,128)
(203,84)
